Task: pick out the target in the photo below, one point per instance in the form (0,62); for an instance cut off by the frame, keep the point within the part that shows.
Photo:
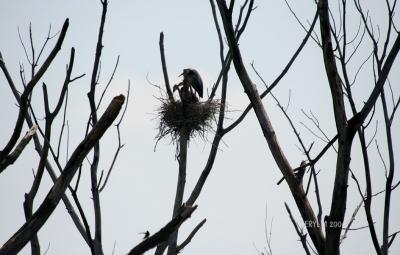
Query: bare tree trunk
(180,189)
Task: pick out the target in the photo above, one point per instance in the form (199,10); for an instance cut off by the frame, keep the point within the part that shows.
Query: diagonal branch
(50,170)
(303,237)
(268,131)
(38,219)
(280,76)
(18,149)
(356,121)
(180,247)
(163,234)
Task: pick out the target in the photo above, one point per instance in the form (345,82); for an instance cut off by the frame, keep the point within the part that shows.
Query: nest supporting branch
(183,120)
(180,189)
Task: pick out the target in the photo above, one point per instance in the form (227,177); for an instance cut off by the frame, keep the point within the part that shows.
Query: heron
(191,79)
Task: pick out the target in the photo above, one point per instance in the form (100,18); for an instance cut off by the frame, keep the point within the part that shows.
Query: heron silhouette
(191,79)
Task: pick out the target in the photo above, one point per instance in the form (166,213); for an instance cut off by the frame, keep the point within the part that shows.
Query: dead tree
(180,126)
(97,124)
(181,120)
(325,236)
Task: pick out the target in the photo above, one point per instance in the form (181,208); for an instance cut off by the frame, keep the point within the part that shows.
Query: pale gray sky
(140,192)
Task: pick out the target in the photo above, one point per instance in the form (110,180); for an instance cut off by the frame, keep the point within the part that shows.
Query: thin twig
(180,247)
(120,145)
(303,237)
(30,86)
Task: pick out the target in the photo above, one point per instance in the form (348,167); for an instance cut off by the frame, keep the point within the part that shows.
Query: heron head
(185,72)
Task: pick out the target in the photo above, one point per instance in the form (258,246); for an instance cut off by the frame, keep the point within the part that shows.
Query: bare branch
(164,67)
(390,176)
(163,234)
(31,84)
(120,146)
(309,31)
(394,110)
(97,241)
(50,170)
(267,129)
(24,234)
(62,125)
(84,219)
(180,247)
(392,237)
(303,237)
(18,149)
(351,221)
(277,80)
(108,83)
(358,119)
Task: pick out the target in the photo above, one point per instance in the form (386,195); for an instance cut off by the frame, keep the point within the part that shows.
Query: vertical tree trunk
(180,189)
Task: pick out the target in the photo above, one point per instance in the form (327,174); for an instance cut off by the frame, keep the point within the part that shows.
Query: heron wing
(197,83)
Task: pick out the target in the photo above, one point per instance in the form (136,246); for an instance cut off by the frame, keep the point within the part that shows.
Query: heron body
(185,93)
(192,79)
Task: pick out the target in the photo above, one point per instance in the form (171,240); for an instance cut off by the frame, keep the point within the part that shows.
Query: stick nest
(196,118)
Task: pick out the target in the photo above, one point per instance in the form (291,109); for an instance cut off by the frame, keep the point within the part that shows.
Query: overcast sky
(140,193)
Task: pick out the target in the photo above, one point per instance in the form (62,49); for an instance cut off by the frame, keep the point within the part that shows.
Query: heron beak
(180,74)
